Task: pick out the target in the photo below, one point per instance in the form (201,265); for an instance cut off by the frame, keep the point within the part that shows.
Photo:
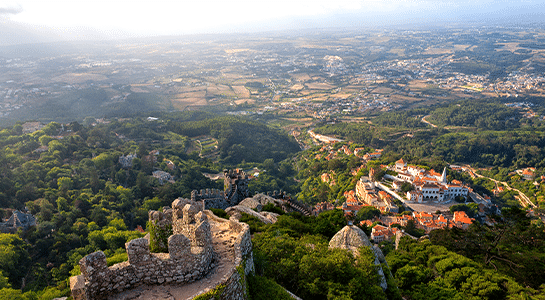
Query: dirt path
(427,122)
(223,241)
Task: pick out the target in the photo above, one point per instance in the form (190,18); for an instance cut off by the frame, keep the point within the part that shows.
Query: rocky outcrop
(352,238)
(251,203)
(265,217)
(264,200)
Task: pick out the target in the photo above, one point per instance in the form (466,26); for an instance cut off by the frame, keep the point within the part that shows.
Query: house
(17,220)
(367,223)
(322,206)
(163,177)
(373,155)
(430,191)
(351,209)
(397,185)
(528,173)
(400,165)
(455,190)
(170,164)
(126,161)
(462,220)
(30,127)
(380,233)
(351,197)
(415,196)
(358,151)
(405,176)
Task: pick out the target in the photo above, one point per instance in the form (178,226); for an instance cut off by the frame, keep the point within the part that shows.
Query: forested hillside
(85,199)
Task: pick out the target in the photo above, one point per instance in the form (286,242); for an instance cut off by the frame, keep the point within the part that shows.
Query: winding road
(523,199)
(427,122)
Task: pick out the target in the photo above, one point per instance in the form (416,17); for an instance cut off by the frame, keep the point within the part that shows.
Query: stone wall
(191,256)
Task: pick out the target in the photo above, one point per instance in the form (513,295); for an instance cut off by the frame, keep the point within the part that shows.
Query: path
(427,122)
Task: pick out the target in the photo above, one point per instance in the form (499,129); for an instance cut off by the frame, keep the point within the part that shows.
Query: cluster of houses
(422,220)
(359,152)
(428,185)
(126,162)
(367,193)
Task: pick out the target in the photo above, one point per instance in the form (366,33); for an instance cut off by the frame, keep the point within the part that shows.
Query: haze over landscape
(256,150)
(30,21)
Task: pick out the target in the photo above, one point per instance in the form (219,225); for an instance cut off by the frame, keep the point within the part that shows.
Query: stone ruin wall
(190,257)
(211,198)
(234,286)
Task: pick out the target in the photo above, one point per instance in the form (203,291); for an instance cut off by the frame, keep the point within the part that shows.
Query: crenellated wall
(191,256)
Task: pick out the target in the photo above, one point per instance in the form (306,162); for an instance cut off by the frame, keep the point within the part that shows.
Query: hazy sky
(91,19)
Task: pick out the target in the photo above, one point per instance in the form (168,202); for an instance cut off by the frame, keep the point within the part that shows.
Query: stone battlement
(191,255)
(206,194)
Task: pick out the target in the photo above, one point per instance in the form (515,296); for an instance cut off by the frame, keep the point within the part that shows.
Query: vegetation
(294,253)
(85,200)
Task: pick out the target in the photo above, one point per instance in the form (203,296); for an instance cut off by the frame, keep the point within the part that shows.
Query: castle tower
(236,185)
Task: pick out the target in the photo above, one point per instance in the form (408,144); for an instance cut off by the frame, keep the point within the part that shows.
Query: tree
(45,139)
(88,121)
(406,186)
(411,229)
(14,258)
(65,184)
(103,161)
(367,213)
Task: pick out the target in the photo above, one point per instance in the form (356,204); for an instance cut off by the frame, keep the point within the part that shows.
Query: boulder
(251,203)
(351,238)
(237,209)
(264,200)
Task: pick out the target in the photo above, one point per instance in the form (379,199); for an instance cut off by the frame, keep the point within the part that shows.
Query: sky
(27,21)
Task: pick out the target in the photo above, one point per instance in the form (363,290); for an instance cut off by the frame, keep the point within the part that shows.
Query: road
(427,122)
(523,199)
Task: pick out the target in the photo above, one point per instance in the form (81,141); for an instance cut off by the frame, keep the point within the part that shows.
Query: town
(296,80)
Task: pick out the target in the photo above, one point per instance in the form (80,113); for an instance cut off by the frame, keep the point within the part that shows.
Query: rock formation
(352,238)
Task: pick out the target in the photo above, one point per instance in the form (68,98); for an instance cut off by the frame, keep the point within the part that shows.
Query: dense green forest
(69,177)
(484,133)
(492,115)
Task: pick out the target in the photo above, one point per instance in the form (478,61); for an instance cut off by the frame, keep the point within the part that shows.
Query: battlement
(235,174)
(236,186)
(191,255)
(206,194)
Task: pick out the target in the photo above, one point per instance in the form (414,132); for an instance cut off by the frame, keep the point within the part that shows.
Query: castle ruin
(236,190)
(201,246)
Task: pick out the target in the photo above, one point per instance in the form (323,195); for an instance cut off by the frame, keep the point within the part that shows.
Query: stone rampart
(191,256)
